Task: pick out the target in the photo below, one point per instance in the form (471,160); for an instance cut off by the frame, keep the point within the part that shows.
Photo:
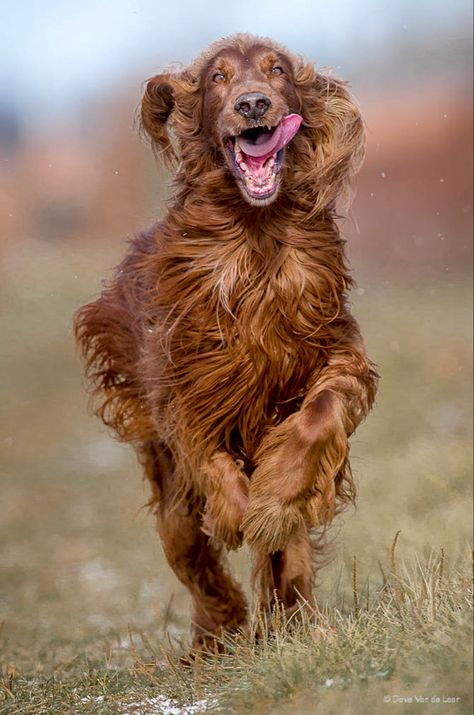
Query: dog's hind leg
(197,559)
(286,576)
(218,602)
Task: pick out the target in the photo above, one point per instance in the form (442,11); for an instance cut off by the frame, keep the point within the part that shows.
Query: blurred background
(79,560)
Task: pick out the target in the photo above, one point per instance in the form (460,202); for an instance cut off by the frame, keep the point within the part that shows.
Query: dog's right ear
(157,105)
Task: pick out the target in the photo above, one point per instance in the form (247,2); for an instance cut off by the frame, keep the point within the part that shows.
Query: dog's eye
(218,77)
(277,70)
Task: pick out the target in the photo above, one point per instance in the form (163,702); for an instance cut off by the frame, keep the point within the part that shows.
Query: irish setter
(223,349)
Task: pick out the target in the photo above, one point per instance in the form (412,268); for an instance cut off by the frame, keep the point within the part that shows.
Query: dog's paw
(269,523)
(223,524)
(226,501)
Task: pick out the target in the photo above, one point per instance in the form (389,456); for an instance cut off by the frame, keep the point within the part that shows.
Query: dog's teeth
(236,145)
(238,156)
(243,166)
(271,162)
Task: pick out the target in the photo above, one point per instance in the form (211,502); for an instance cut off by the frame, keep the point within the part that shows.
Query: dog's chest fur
(239,335)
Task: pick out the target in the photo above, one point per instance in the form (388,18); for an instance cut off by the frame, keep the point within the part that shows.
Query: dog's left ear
(170,101)
(335,136)
(170,113)
(157,104)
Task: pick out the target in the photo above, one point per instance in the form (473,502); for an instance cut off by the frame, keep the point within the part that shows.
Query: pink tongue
(276,140)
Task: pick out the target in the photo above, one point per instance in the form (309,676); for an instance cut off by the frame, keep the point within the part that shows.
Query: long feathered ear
(333,140)
(157,105)
(171,115)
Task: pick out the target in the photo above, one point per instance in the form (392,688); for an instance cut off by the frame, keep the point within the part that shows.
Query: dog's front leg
(226,487)
(302,463)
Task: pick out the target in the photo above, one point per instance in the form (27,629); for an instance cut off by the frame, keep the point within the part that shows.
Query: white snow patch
(164,706)
(155,706)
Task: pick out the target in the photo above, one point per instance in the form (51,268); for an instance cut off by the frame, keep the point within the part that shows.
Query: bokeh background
(79,562)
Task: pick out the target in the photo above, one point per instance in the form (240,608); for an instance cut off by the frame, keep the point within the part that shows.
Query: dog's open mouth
(257,156)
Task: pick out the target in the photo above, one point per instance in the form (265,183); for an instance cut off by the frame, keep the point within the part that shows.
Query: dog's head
(249,112)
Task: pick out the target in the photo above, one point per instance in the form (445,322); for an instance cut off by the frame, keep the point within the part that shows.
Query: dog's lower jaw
(259,202)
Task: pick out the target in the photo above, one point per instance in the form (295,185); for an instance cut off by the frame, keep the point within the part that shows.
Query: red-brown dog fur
(223,349)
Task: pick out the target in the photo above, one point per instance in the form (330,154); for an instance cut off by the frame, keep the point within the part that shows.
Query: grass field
(92,619)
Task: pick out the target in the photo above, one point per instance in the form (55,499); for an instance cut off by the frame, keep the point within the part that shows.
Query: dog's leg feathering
(302,464)
(226,488)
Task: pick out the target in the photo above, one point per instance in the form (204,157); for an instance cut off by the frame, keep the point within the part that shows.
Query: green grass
(93,619)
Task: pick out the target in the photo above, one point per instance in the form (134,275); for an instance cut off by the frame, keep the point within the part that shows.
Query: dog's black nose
(252,105)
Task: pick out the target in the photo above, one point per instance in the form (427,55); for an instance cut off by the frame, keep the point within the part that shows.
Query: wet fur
(223,349)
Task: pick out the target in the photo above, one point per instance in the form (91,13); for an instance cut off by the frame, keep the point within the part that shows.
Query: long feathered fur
(223,348)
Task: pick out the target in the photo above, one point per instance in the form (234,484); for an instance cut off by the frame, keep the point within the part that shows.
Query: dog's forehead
(250,56)
(241,48)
